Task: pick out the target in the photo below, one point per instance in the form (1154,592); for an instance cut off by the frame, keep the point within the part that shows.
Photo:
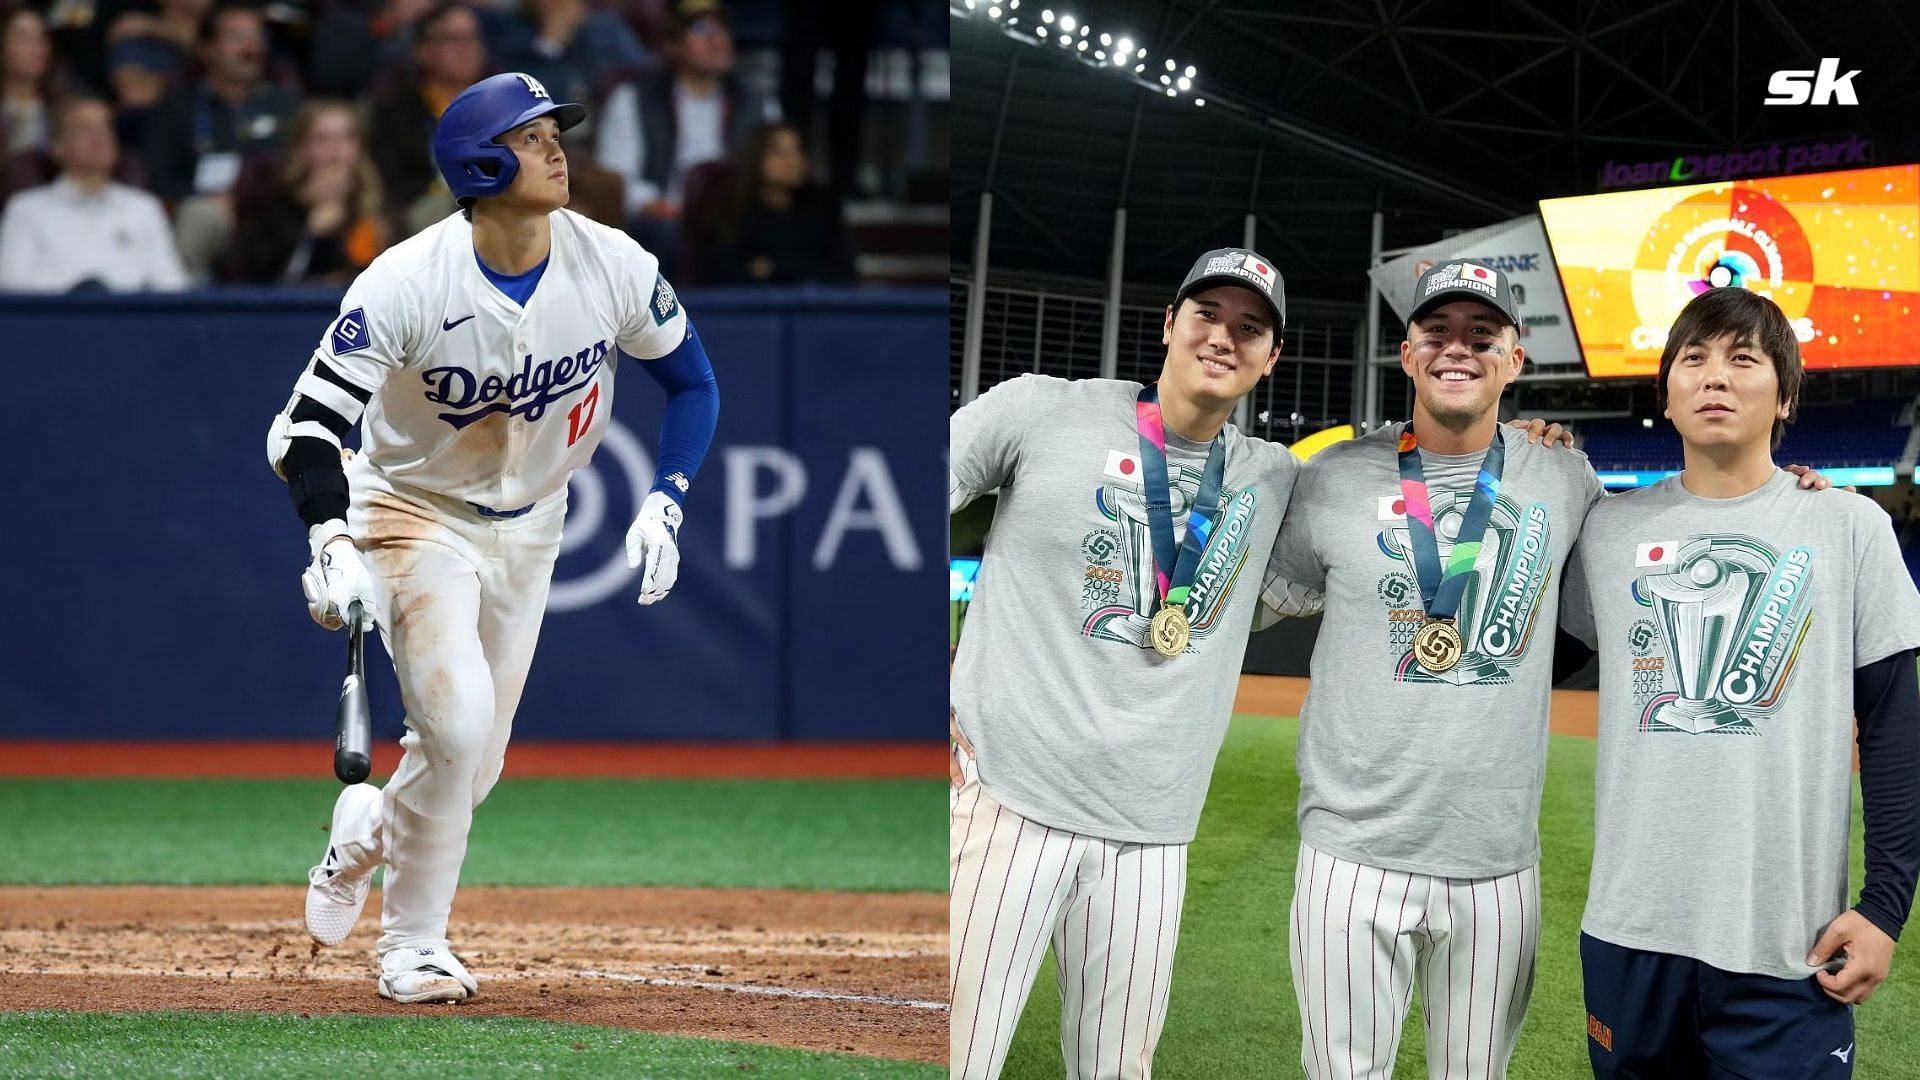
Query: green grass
(803,834)
(1233,1011)
(194,1046)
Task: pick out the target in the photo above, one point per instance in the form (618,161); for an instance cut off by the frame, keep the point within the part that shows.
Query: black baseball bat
(353,726)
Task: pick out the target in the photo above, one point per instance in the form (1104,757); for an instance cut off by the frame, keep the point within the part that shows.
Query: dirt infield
(854,972)
(1575,712)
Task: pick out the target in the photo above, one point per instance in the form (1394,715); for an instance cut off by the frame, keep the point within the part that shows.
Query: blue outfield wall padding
(153,560)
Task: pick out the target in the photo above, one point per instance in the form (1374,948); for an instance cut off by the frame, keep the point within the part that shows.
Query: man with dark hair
(1717,939)
(1093,685)
(204,129)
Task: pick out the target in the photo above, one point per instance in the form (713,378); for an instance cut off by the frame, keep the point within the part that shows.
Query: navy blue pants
(1656,1015)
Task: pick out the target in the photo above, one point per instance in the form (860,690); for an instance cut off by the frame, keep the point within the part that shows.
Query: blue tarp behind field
(149,559)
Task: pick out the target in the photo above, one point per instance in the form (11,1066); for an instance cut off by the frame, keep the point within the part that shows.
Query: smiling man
(1744,626)
(1423,737)
(1093,684)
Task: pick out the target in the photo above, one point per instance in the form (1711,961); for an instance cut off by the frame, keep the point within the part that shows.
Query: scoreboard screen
(1839,252)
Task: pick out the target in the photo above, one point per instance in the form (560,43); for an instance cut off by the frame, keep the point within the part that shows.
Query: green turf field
(803,834)
(809,834)
(1233,1012)
(195,1046)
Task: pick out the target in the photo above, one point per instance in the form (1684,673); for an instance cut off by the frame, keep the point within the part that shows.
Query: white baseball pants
(461,597)
(1362,936)
(1112,911)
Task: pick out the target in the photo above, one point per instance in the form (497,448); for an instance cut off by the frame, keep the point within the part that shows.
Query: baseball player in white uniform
(480,357)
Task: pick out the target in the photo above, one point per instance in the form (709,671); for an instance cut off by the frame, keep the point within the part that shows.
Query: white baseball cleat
(337,888)
(423,976)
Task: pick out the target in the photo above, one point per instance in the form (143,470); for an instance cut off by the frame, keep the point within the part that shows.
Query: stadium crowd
(161,144)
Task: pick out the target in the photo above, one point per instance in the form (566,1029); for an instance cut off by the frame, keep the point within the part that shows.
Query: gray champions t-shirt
(1076,722)
(1401,768)
(1728,632)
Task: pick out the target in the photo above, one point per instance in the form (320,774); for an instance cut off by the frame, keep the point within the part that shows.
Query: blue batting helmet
(463,147)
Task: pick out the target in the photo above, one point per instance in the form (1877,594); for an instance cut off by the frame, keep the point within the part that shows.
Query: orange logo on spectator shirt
(1599,1033)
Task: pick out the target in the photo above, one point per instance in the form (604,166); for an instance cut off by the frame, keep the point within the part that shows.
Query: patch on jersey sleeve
(665,304)
(350,333)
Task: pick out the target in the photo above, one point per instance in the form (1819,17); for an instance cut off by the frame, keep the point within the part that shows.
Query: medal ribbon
(1440,592)
(1175,572)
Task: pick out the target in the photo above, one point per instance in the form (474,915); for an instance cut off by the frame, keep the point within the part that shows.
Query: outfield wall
(150,559)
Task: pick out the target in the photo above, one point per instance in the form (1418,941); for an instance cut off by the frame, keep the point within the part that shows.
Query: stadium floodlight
(1143,52)
(1171,92)
(1184,83)
(993,12)
(1169,65)
(1066,22)
(1013,5)
(1125,46)
(1046,15)
(1138,68)
(1120,59)
(1166,80)
(1085,29)
(1041,30)
(1191,73)
(1100,55)
(1083,46)
(1200,101)
(1105,40)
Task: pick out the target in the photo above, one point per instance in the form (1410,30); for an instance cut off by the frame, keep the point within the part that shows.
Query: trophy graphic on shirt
(1475,603)
(1732,615)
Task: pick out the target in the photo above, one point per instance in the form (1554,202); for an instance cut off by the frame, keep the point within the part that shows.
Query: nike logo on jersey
(450,325)
(528,391)
(1844,1054)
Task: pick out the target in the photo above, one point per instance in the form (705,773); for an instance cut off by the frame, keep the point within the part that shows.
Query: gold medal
(1169,630)
(1437,645)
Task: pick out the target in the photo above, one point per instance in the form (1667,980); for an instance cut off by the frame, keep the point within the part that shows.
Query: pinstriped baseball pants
(1362,936)
(1112,912)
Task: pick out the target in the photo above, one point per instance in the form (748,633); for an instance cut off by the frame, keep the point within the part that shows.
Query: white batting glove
(654,540)
(336,577)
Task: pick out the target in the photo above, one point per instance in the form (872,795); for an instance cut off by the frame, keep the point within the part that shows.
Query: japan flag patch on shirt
(1657,555)
(1125,467)
(1392,508)
(350,333)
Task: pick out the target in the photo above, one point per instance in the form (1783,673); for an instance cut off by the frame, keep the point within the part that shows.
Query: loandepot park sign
(1516,248)
(1779,159)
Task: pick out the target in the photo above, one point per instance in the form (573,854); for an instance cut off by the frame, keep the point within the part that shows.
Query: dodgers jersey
(476,397)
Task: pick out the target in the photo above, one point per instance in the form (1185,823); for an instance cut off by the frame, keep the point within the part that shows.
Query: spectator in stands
(85,229)
(27,82)
(138,70)
(203,129)
(448,57)
(773,225)
(355,40)
(575,51)
(655,129)
(317,216)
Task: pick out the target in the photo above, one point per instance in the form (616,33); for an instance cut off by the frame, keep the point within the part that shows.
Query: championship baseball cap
(1238,266)
(1462,280)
